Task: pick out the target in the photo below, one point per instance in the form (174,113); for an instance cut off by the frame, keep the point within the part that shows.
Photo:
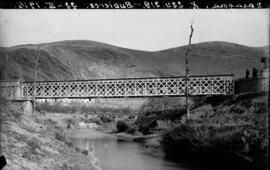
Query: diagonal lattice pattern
(141,87)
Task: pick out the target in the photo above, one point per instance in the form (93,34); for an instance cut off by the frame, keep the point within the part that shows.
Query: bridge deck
(137,87)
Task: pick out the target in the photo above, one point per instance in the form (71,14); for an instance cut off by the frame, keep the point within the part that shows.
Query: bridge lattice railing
(137,87)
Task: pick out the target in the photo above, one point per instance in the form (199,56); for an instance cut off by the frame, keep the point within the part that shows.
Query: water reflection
(120,155)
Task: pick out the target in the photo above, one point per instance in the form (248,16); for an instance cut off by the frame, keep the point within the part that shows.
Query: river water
(114,154)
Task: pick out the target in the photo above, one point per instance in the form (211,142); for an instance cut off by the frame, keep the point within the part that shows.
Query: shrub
(70,123)
(122,126)
(59,137)
(163,125)
(33,146)
(16,115)
(69,144)
(77,149)
(11,110)
(216,142)
(50,122)
(131,129)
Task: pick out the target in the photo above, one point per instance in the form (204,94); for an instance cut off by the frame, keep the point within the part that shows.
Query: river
(114,154)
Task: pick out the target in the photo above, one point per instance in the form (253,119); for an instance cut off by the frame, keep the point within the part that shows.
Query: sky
(148,30)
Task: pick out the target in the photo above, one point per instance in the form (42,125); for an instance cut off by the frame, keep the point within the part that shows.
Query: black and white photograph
(134,89)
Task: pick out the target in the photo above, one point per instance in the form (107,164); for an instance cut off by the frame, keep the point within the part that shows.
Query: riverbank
(229,131)
(30,142)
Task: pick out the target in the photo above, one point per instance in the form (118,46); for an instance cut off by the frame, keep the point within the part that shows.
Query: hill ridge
(111,45)
(82,59)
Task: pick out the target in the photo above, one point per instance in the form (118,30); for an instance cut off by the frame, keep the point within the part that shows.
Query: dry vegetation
(32,143)
(230,131)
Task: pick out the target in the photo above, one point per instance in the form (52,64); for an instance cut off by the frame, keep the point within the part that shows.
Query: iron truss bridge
(136,87)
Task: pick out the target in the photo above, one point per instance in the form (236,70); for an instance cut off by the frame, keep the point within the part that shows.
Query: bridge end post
(11,89)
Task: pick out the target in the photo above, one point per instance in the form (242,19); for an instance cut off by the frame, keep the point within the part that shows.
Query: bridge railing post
(200,85)
(125,85)
(224,85)
(212,86)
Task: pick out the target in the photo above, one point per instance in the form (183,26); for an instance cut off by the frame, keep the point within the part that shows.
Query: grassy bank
(37,143)
(230,132)
(223,132)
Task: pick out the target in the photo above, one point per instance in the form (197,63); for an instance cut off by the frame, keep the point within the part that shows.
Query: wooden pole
(187,73)
(6,67)
(35,78)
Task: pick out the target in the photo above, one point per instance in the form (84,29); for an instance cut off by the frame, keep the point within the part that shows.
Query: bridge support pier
(11,92)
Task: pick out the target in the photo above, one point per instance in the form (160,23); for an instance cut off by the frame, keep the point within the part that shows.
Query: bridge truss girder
(137,87)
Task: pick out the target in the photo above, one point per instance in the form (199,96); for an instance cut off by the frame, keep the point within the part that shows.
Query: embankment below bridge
(222,131)
(36,142)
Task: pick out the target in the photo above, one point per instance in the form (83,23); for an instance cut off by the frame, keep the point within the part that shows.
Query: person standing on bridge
(247,74)
(254,73)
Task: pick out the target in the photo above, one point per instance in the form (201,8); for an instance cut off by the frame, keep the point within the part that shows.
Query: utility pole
(187,72)
(35,78)
(6,67)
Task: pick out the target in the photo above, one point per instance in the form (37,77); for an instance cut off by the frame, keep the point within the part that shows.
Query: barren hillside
(69,60)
